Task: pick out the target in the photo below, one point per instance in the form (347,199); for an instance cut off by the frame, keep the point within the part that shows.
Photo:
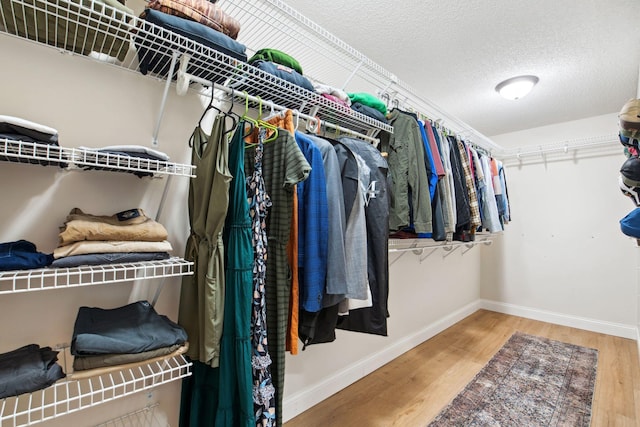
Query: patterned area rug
(531,381)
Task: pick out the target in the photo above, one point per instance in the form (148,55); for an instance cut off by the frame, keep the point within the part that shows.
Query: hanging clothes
(202,294)
(491,218)
(445,184)
(474,210)
(373,319)
(463,212)
(410,193)
(236,406)
(283,167)
(320,327)
(263,388)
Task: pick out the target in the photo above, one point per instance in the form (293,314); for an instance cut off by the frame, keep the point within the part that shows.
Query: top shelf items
(101,32)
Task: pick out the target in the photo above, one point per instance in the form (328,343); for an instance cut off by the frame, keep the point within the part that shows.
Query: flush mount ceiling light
(516,87)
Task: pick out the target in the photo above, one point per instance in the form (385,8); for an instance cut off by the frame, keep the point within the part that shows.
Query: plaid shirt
(471,188)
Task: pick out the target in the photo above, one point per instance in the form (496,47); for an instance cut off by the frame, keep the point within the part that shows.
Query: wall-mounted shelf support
(165,92)
(353,73)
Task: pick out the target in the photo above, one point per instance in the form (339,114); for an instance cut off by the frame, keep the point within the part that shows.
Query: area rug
(531,381)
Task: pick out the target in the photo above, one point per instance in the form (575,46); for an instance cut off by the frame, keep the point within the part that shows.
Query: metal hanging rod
(605,141)
(184,79)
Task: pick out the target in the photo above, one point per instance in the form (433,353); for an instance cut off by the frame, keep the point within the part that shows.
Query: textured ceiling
(454,53)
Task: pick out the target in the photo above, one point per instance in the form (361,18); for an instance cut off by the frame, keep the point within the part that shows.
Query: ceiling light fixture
(516,87)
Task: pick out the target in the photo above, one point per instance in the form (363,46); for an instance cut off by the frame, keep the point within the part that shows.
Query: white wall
(424,299)
(564,258)
(92,105)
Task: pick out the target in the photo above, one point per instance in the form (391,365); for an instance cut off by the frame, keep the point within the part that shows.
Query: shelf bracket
(391,262)
(165,93)
(353,73)
(449,250)
(424,257)
(468,246)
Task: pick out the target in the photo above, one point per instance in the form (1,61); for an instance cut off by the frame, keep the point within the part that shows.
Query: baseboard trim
(303,400)
(603,327)
(638,341)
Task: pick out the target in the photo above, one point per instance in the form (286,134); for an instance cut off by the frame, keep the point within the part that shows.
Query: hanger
(297,113)
(259,123)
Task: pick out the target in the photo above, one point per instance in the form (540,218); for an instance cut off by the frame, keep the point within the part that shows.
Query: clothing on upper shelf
(368,111)
(278,57)
(333,91)
(18,129)
(285,73)
(338,101)
(368,100)
(201,11)
(124,155)
(155,58)
(22,255)
(37,131)
(73,33)
(133,328)
(28,369)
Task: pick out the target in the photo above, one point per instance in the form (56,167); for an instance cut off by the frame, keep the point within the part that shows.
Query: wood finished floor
(412,389)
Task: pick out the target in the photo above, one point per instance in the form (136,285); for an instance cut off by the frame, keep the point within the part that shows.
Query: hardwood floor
(412,389)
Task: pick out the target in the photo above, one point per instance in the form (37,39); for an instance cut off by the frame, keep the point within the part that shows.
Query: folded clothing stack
(22,255)
(369,105)
(127,236)
(18,129)
(198,20)
(129,334)
(81,26)
(333,94)
(136,156)
(28,369)
(277,64)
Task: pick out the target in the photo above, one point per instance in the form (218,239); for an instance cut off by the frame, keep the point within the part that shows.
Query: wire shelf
(403,245)
(145,417)
(95,30)
(68,395)
(81,158)
(59,278)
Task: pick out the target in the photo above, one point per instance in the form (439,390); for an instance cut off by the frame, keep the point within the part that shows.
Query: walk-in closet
(280,212)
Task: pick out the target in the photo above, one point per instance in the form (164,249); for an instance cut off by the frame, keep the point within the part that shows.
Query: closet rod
(184,78)
(607,141)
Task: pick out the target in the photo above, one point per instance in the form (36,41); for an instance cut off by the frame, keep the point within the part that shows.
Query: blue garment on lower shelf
(22,255)
(28,369)
(133,328)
